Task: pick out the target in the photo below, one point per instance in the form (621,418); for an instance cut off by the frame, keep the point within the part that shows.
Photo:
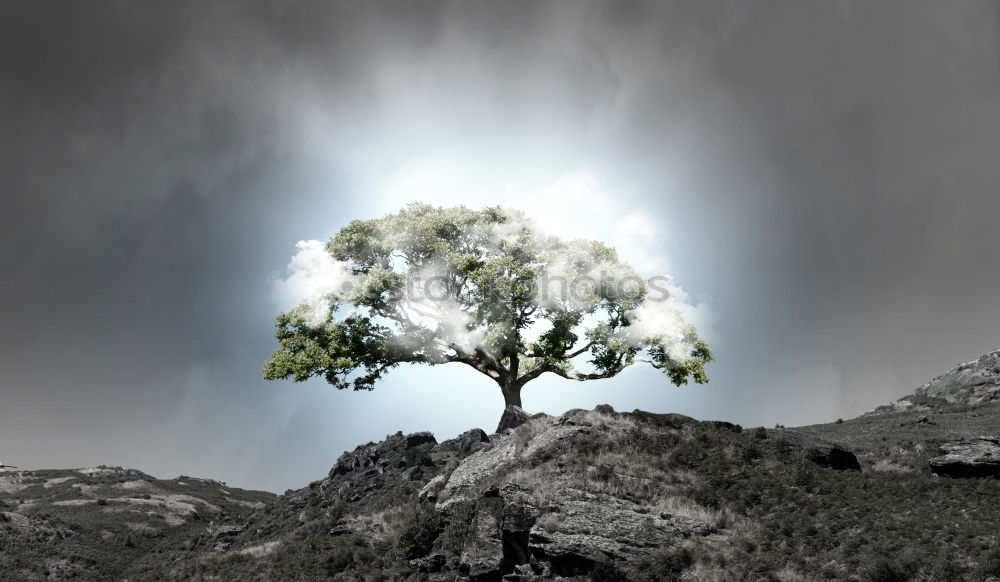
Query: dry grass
(380,526)
(888,466)
(551,522)
(790,574)
(716,518)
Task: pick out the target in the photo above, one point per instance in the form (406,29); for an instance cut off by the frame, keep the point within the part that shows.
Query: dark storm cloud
(828,172)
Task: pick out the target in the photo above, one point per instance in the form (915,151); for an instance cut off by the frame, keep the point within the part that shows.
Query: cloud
(314,278)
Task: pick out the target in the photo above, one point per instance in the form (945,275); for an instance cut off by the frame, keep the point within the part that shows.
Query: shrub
(804,475)
(886,571)
(748,451)
(421,527)
(604,473)
(665,565)
(604,409)
(946,571)
(455,531)
(606,572)
(990,566)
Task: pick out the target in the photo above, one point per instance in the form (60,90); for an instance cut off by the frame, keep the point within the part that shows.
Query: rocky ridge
(970,384)
(583,494)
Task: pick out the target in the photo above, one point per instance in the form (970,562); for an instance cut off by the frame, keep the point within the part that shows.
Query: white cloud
(313,276)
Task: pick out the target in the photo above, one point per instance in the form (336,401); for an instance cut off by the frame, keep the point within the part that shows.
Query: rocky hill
(971,384)
(587,495)
(98,523)
(602,495)
(953,410)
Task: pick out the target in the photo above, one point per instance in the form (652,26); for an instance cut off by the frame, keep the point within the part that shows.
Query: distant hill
(98,523)
(963,403)
(970,384)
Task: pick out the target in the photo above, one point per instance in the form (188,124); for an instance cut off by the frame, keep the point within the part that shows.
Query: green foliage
(438,285)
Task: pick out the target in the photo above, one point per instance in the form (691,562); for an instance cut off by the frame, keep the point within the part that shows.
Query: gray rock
(598,528)
(512,417)
(467,442)
(419,438)
(482,556)
(517,519)
(430,490)
(218,530)
(573,554)
(429,564)
(482,464)
(979,457)
(970,384)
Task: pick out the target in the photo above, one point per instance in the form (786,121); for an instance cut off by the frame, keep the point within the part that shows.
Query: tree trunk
(511,394)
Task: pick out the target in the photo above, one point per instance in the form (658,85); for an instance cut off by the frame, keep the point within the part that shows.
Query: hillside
(587,495)
(963,403)
(610,496)
(97,523)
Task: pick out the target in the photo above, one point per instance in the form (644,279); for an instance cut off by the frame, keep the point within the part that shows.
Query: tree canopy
(485,288)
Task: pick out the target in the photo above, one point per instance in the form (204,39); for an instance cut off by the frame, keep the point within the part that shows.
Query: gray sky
(821,178)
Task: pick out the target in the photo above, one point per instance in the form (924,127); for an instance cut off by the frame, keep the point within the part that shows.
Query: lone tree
(484,288)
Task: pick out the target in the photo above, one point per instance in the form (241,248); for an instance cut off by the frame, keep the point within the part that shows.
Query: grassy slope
(906,439)
(95,525)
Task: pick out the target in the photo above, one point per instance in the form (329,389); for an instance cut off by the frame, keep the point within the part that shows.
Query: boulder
(978,457)
(419,438)
(512,417)
(430,490)
(822,452)
(482,464)
(467,442)
(596,529)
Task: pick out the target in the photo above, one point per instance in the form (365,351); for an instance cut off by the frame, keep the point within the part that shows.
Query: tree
(483,288)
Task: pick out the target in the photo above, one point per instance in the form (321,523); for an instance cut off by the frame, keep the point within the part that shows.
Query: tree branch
(571,355)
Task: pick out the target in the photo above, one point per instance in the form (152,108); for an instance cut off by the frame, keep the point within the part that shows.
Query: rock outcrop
(467,442)
(972,383)
(591,530)
(512,417)
(822,452)
(979,457)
